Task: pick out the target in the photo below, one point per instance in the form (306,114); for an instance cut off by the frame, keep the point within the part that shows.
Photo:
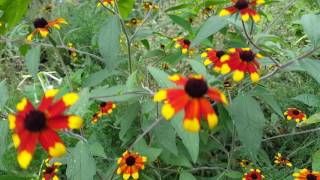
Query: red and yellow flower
(193,95)
(280,160)
(51,170)
(182,43)
(31,125)
(130,163)
(240,61)
(105,109)
(246,9)
(305,174)
(295,114)
(245,163)
(147,6)
(215,58)
(254,174)
(105,3)
(42,26)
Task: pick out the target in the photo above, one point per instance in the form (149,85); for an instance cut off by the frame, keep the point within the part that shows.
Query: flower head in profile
(42,26)
(133,22)
(129,165)
(240,62)
(31,125)
(305,174)
(73,54)
(245,163)
(147,6)
(105,3)
(104,109)
(193,95)
(215,58)
(280,160)
(182,43)
(51,170)
(295,114)
(254,174)
(208,10)
(245,8)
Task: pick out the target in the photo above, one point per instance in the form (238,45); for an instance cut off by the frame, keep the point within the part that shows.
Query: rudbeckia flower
(133,22)
(42,26)
(147,6)
(254,174)
(105,108)
(245,163)
(193,95)
(73,54)
(105,3)
(182,43)
(165,66)
(246,9)
(280,160)
(31,125)
(130,164)
(215,58)
(208,11)
(242,60)
(51,170)
(295,114)
(306,174)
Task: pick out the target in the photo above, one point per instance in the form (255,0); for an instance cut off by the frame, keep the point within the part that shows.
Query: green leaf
(125,7)
(249,120)
(312,67)
(234,174)
(33,60)
(315,118)
(166,137)
(308,99)
(109,41)
(211,26)
(96,78)
(81,107)
(316,161)
(4,130)
(14,11)
(132,82)
(181,22)
(96,149)
(80,163)
(181,6)
(127,118)
(190,140)
(161,77)
(4,94)
(115,93)
(311,26)
(151,153)
(186,176)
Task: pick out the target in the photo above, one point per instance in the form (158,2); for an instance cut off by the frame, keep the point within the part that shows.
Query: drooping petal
(191,121)
(26,149)
(208,113)
(52,143)
(176,100)
(61,105)
(216,95)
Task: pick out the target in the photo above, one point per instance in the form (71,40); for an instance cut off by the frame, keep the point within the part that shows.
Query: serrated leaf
(308,99)
(211,26)
(249,121)
(80,164)
(166,136)
(311,26)
(161,77)
(190,140)
(96,149)
(127,118)
(312,67)
(33,60)
(109,41)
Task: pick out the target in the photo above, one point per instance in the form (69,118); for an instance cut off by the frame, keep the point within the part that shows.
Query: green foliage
(33,60)
(311,26)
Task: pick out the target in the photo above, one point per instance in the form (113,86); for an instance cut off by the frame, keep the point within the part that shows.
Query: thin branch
(291,134)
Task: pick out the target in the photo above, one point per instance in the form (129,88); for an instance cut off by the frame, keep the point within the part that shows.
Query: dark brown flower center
(247,56)
(254,176)
(103,104)
(50,170)
(220,54)
(35,121)
(311,177)
(295,112)
(186,42)
(196,88)
(40,23)
(130,161)
(242,4)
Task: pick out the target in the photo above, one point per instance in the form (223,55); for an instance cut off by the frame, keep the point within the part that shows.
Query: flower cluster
(305,174)
(182,43)
(193,95)
(42,26)
(254,174)
(31,125)
(147,6)
(280,160)
(245,163)
(245,8)
(130,164)
(51,170)
(105,109)
(236,60)
(295,114)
